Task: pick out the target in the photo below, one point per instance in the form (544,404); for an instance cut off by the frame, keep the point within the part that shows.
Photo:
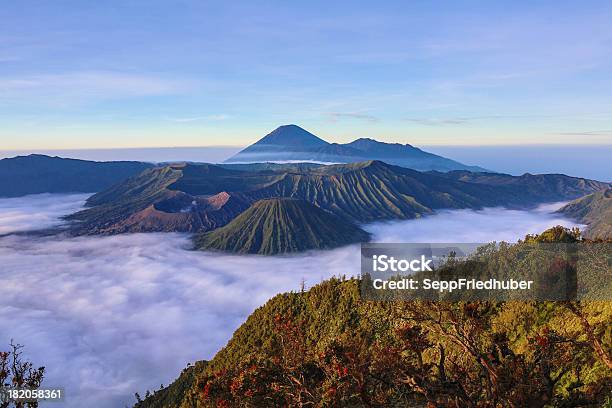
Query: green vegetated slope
(37,173)
(200,198)
(594,210)
(328,347)
(373,190)
(282,225)
(172,395)
(328,310)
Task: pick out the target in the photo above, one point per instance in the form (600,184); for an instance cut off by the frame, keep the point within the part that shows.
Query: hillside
(291,142)
(594,210)
(173,395)
(152,201)
(35,174)
(282,225)
(373,190)
(200,198)
(344,351)
(549,187)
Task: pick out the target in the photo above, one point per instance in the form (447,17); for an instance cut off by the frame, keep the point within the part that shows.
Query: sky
(172,73)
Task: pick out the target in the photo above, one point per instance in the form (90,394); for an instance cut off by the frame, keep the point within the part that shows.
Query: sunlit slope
(173,395)
(595,210)
(282,225)
(373,190)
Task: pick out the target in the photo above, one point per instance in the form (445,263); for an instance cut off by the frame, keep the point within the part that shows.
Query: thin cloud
(460,120)
(335,116)
(189,119)
(8,58)
(439,122)
(587,133)
(85,85)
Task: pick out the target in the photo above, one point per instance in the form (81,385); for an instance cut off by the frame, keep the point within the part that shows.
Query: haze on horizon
(82,75)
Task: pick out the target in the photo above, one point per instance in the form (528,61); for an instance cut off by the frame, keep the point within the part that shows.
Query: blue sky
(76,74)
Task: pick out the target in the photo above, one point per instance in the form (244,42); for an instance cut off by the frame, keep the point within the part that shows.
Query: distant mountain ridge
(205,197)
(37,173)
(548,186)
(291,142)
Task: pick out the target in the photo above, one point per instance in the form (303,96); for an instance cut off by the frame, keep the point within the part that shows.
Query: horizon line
(244,146)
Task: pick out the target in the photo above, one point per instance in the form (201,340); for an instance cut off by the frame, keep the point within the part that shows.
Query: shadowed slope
(283,140)
(406,155)
(282,225)
(36,173)
(147,203)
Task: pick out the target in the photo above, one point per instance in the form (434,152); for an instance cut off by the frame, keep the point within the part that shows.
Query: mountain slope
(200,198)
(176,393)
(548,187)
(369,191)
(595,210)
(278,141)
(291,142)
(281,225)
(373,191)
(179,198)
(35,174)
(407,156)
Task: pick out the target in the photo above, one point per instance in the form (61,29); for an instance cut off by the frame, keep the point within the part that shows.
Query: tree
(16,373)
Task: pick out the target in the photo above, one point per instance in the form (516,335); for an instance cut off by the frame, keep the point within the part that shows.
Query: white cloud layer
(489,224)
(110,316)
(37,211)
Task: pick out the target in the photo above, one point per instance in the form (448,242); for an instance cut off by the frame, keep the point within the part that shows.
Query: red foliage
(409,369)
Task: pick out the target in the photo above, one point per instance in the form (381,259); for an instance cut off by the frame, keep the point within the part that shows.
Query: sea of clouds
(111,316)
(37,212)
